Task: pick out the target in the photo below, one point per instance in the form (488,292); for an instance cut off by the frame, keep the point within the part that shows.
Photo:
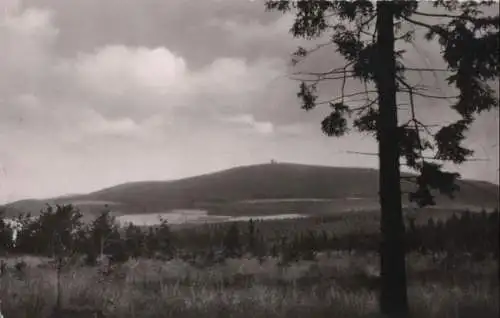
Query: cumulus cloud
(118,70)
(116,80)
(72,104)
(263,127)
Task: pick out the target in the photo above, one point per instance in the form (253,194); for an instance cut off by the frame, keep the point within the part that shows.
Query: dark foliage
(472,234)
(5,236)
(365,34)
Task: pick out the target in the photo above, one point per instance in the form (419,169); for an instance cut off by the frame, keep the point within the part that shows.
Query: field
(334,283)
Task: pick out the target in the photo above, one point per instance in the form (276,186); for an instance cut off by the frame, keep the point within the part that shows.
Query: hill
(257,190)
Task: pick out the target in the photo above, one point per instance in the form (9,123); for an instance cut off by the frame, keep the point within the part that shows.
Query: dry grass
(337,285)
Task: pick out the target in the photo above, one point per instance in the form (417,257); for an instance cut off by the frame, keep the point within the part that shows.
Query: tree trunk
(58,306)
(101,247)
(393,294)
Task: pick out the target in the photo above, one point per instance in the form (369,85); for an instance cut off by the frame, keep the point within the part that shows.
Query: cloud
(118,81)
(252,29)
(117,70)
(110,99)
(99,125)
(263,127)
(96,93)
(26,37)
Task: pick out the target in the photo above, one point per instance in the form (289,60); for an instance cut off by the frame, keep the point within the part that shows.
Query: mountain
(257,190)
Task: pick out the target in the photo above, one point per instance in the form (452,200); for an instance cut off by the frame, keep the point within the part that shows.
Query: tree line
(60,232)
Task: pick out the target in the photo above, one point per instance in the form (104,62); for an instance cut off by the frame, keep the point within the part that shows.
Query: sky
(95,93)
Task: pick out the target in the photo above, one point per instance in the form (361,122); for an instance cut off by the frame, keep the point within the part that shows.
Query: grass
(336,285)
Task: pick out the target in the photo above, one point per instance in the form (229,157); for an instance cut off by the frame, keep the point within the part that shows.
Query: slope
(259,189)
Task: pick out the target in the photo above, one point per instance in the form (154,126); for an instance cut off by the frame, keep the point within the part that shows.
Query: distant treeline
(59,231)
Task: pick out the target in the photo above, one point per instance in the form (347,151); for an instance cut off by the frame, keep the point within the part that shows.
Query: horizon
(59,196)
(95,94)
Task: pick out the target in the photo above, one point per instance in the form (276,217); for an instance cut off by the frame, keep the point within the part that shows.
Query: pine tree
(6,233)
(232,241)
(59,228)
(251,241)
(134,241)
(101,231)
(116,247)
(165,239)
(365,33)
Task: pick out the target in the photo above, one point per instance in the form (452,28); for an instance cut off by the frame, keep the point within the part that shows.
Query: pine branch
(344,79)
(336,99)
(434,28)
(367,21)
(417,93)
(439,15)
(333,71)
(426,69)
(475,20)
(303,53)
(421,126)
(364,107)
(413,115)
(317,80)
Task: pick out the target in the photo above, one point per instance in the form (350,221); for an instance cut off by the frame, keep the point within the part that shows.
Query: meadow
(335,285)
(336,280)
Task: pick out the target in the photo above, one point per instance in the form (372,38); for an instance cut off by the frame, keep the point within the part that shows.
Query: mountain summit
(265,188)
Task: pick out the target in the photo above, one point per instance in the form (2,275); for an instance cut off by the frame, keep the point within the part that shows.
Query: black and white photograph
(249,158)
